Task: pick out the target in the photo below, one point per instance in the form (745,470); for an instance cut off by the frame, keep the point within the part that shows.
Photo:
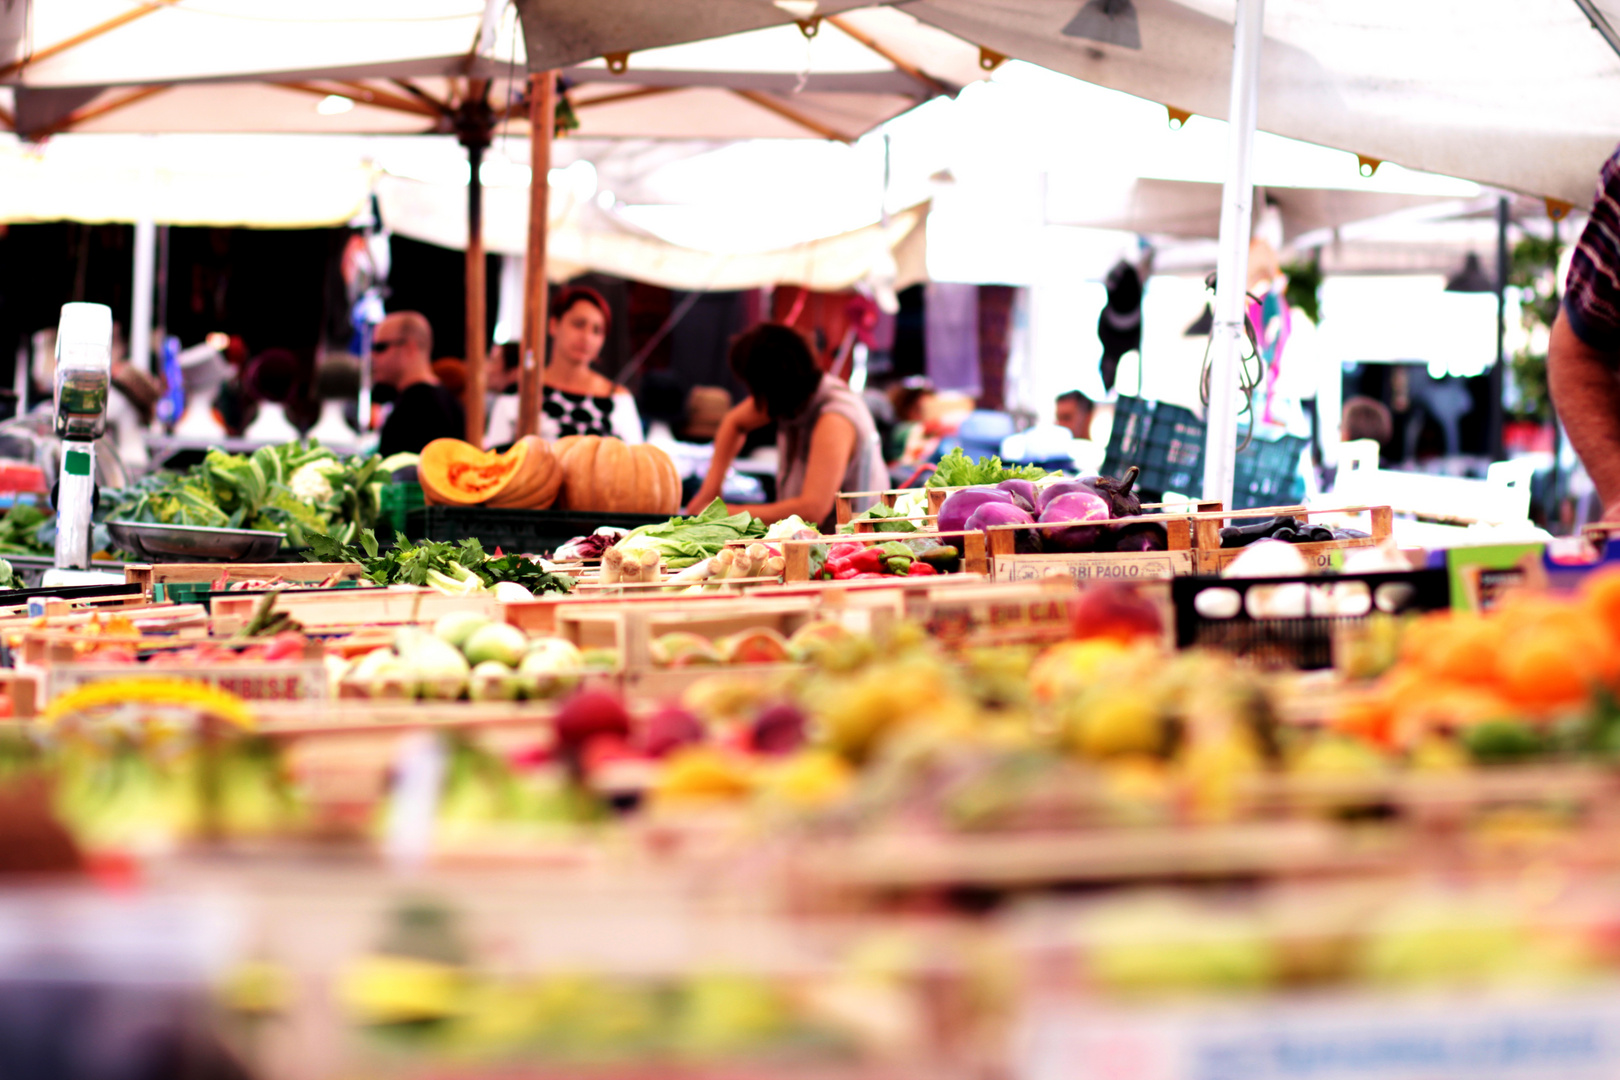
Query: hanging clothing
(865,470)
(951,336)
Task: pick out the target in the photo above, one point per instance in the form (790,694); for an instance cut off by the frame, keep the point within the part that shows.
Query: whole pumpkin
(457,473)
(605,474)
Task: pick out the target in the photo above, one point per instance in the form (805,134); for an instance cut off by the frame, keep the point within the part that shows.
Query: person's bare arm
(1585,385)
(742,418)
(831,444)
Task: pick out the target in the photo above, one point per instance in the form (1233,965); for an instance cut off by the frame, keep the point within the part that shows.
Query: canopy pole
(475,124)
(1498,373)
(531,372)
(1232,260)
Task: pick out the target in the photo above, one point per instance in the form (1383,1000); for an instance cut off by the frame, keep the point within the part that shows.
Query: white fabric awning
(1519,94)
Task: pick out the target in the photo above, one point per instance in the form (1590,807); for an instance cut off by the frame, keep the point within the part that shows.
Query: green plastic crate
(397,500)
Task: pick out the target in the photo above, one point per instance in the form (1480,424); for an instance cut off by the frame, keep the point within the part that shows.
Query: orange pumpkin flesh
(453,472)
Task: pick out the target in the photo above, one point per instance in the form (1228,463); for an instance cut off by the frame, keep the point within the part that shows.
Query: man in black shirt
(402,357)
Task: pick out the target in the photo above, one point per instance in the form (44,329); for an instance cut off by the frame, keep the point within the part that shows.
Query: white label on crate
(291,681)
(1550,1037)
(1147,566)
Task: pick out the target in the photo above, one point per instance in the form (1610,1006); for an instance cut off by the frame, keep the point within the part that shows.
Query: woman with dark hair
(574,400)
(826,440)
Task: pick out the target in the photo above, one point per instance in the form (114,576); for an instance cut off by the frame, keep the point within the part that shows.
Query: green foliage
(253,491)
(1304,292)
(884,518)
(1533,270)
(956,469)
(685,541)
(19,531)
(411,564)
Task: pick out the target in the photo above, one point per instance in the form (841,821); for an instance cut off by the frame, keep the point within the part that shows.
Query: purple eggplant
(959,506)
(1000,513)
(1044,496)
(1023,494)
(1141,536)
(1082,514)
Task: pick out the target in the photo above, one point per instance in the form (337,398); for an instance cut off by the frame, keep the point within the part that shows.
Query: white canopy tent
(1520,95)
(1517,94)
(463,67)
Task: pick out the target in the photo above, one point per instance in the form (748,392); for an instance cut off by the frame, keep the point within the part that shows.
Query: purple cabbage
(1022,492)
(1077,510)
(960,505)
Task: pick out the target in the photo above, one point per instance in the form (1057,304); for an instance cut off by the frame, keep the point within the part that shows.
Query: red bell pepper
(843,551)
(920,569)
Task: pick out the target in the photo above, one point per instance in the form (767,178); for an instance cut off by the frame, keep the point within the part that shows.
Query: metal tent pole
(1232,261)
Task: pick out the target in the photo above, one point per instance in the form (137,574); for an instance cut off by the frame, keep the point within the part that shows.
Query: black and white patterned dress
(564,413)
(575,414)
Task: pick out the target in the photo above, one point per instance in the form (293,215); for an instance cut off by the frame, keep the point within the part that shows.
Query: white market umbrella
(1520,94)
(442,66)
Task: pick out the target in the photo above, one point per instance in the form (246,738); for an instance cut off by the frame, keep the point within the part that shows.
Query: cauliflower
(313,482)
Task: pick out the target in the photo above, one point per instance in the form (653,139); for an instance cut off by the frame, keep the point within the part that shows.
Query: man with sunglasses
(402,358)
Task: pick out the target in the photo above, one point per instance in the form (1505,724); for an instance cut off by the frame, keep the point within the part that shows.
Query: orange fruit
(1600,595)
(1545,669)
(1465,651)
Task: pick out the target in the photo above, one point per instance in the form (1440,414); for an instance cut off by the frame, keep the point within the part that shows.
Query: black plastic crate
(1266,473)
(1293,640)
(529,532)
(1165,441)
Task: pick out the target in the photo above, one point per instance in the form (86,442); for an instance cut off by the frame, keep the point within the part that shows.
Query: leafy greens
(956,469)
(686,541)
(409,564)
(266,490)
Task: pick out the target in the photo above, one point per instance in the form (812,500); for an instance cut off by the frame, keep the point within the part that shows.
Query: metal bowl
(194,543)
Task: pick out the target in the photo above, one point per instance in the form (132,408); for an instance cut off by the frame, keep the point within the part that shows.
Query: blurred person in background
(423,410)
(451,372)
(1583,357)
(574,399)
(1366,418)
(826,439)
(910,440)
(501,368)
(1074,411)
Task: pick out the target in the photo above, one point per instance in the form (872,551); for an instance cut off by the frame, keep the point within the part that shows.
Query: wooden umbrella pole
(474,404)
(475,125)
(542,122)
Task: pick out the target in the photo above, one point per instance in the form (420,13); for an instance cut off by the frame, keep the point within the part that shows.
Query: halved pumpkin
(457,473)
(607,475)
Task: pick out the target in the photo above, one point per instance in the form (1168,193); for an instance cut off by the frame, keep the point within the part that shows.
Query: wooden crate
(1007,564)
(175,621)
(844,506)
(997,613)
(323,609)
(149,574)
(796,553)
(630,629)
(539,616)
(1319,557)
(56,660)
